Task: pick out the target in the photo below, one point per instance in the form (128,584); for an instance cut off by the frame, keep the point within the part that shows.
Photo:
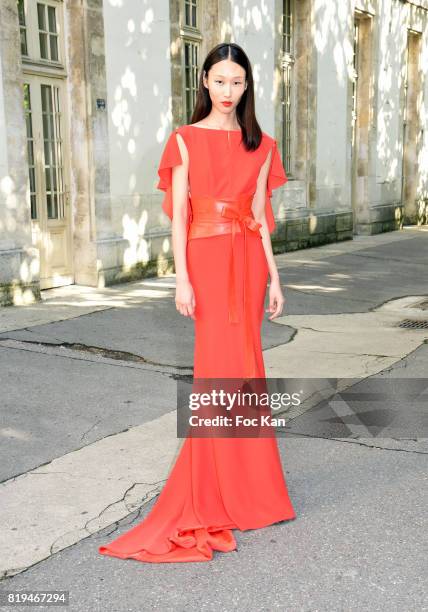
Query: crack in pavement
(367,366)
(354,354)
(387,448)
(147,497)
(66,320)
(58,472)
(91,427)
(31,331)
(320,331)
(97,350)
(144,500)
(318,295)
(31,471)
(10,573)
(108,354)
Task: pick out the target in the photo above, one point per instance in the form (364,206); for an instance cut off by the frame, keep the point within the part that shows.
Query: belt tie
(247,223)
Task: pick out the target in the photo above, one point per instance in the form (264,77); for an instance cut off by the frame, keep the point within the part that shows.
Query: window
(355,70)
(48,35)
(191,39)
(190,77)
(190,13)
(52,156)
(52,147)
(22,27)
(40,25)
(287,68)
(30,149)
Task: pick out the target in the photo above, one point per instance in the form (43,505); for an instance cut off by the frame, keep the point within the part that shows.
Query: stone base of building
(418,215)
(114,255)
(311,230)
(385,218)
(15,290)
(19,293)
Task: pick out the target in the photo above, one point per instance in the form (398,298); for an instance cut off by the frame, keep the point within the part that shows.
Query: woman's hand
(276,299)
(185,298)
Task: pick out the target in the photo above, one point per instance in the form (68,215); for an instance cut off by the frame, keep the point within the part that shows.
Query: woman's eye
(236,82)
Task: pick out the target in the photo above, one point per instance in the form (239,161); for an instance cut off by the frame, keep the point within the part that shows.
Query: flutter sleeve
(276,178)
(171,157)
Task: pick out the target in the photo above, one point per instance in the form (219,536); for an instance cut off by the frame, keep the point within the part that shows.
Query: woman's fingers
(192,308)
(185,298)
(187,310)
(276,307)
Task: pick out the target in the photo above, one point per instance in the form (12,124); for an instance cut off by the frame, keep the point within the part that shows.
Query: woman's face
(226,83)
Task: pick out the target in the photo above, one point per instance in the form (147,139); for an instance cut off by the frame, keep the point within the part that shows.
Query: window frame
(33,55)
(190,35)
(287,64)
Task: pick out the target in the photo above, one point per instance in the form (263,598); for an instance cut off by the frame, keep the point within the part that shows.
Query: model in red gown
(218,484)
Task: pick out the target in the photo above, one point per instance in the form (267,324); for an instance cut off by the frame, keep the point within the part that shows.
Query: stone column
(89,142)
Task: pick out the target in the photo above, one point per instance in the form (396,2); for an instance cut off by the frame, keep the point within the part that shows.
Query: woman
(223,255)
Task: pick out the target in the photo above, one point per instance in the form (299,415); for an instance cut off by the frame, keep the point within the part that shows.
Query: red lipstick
(227,103)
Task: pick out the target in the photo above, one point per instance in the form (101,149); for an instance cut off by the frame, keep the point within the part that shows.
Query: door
(47,155)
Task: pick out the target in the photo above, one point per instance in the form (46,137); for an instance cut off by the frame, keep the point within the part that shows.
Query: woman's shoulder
(182,129)
(267,139)
(185,132)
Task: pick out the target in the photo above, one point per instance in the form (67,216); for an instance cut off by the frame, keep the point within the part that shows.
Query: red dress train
(218,484)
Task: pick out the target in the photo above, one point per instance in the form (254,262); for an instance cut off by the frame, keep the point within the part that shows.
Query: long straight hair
(245,111)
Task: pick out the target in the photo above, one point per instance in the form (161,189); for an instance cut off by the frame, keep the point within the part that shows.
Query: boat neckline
(213,129)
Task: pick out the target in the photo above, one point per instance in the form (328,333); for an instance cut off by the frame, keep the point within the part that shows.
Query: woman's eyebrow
(235,77)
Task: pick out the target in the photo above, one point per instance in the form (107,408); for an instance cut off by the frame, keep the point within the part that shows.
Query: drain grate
(410,324)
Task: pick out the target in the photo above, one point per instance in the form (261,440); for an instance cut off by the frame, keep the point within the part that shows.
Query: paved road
(88,383)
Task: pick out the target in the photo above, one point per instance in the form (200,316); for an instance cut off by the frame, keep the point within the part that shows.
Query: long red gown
(217,484)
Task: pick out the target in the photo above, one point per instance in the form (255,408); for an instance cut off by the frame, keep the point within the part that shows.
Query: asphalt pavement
(88,394)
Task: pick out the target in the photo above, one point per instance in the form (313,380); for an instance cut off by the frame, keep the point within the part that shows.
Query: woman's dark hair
(245,111)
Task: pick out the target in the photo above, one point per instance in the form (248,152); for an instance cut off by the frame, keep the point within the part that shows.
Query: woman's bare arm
(276,298)
(184,298)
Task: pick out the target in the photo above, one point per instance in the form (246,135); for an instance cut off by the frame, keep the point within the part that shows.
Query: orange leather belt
(211,217)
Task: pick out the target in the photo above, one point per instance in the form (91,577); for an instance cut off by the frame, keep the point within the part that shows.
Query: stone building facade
(90,91)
